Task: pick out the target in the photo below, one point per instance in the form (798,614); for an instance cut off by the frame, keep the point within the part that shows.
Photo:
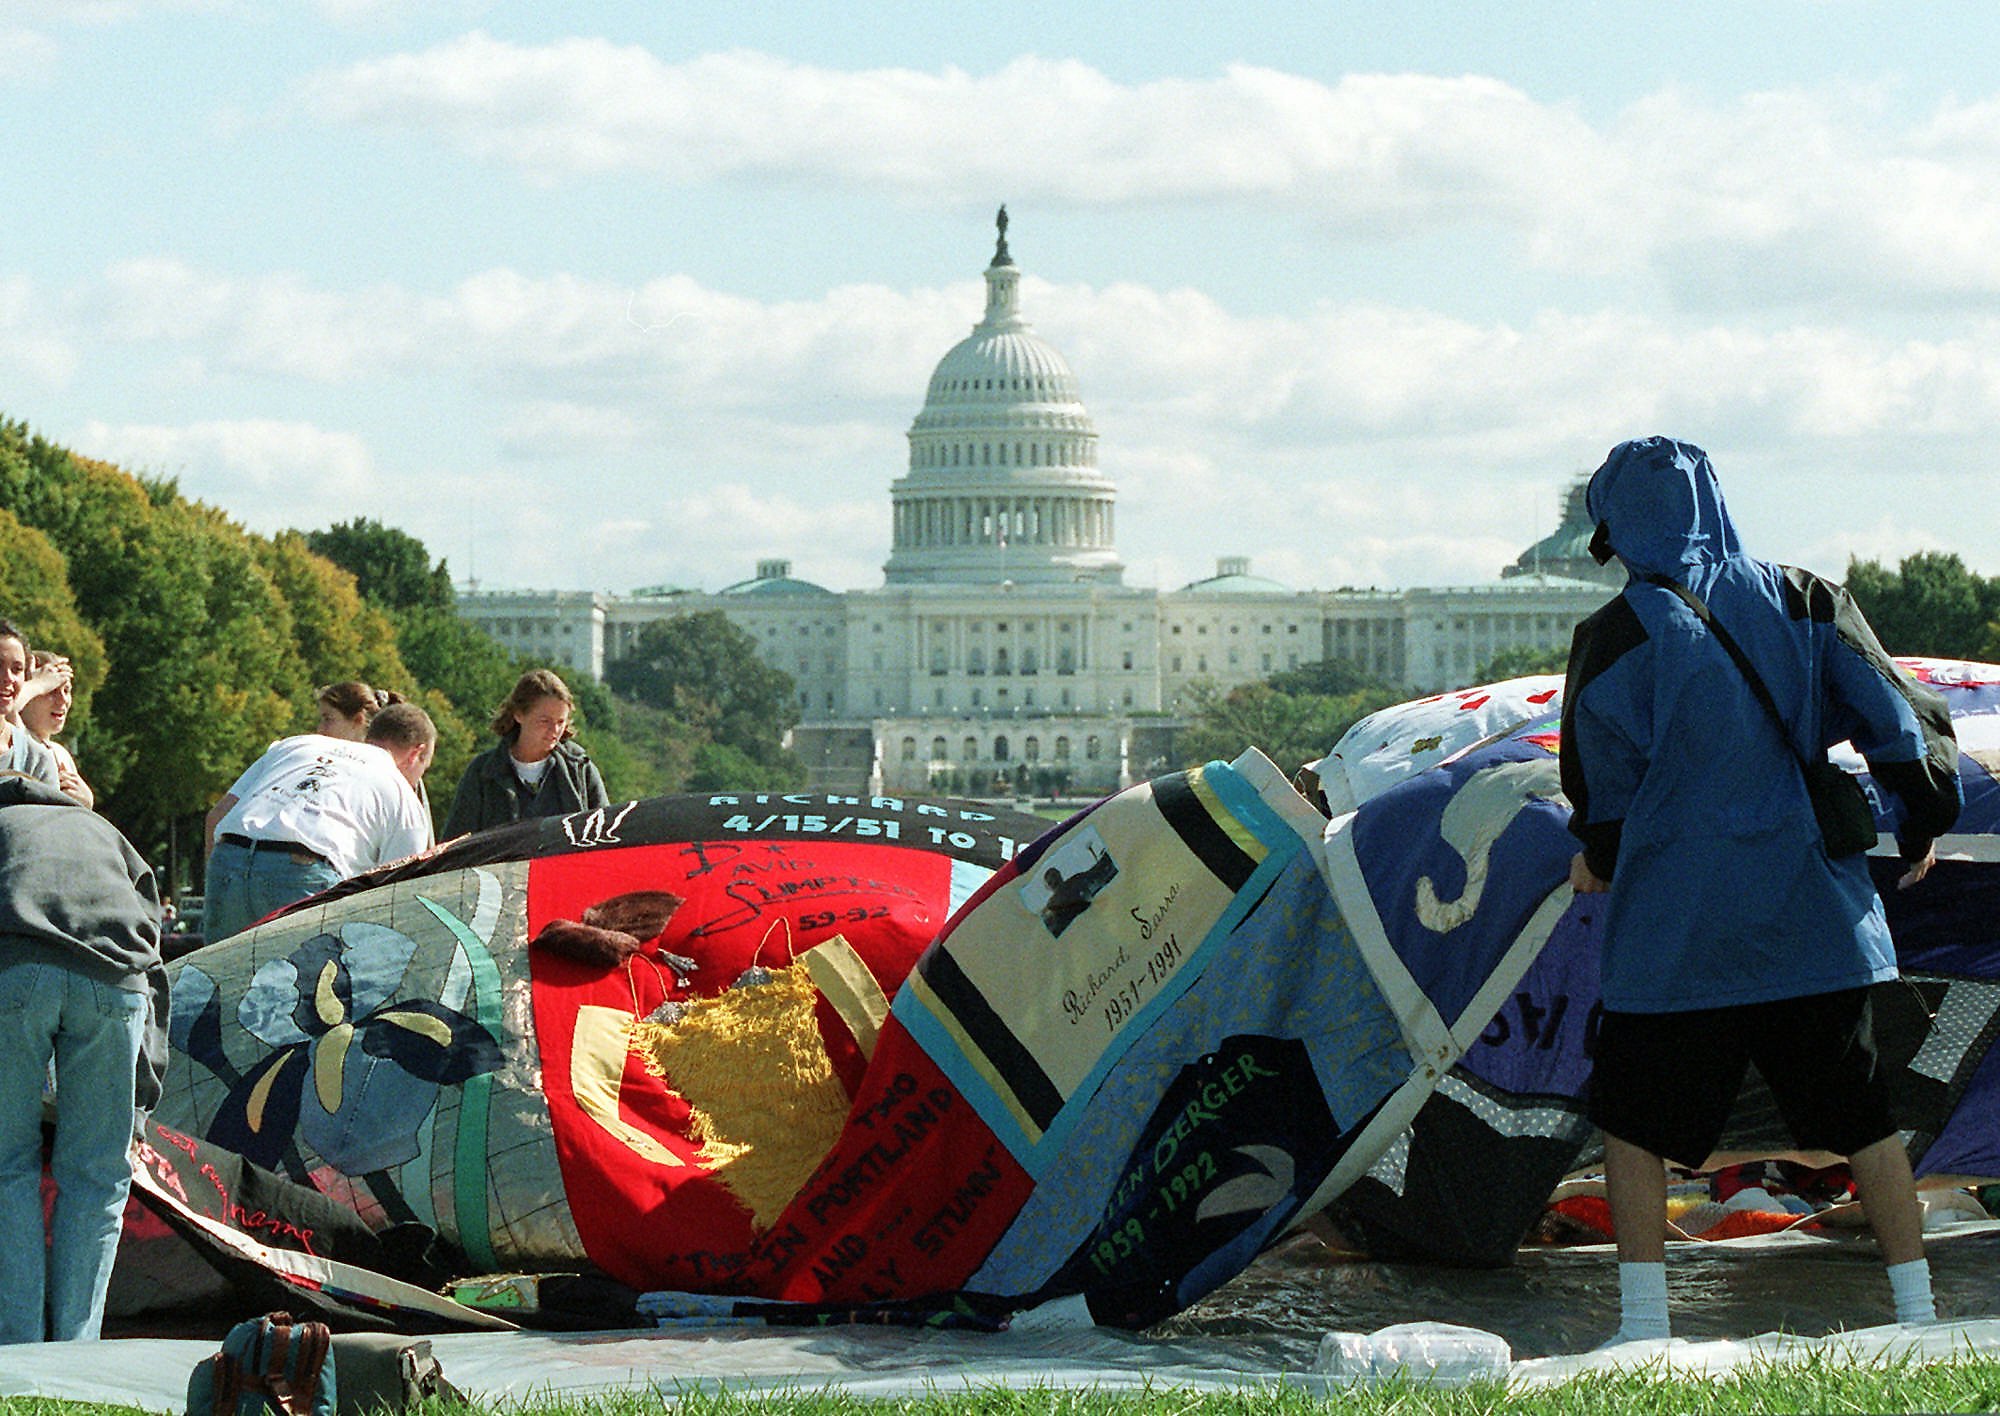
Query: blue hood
(1661,509)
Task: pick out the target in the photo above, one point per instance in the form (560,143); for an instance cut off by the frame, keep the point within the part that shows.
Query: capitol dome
(1003,482)
(1565,551)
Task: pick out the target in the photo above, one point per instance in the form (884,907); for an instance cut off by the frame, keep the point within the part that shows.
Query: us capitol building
(1004,643)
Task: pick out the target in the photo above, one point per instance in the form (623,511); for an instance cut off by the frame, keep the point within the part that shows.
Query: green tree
(339,635)
(461,662)
(390,566)
(466,676)
(1931,604)
(201,668)
(642,751)
(720,767)
(1521,661)
(1290,729)
(706,672)
(1329,678)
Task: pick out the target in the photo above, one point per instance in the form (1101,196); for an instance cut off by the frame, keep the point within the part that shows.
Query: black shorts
(1666,1081)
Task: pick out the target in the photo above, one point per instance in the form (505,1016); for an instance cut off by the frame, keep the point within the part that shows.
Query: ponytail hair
(352,696)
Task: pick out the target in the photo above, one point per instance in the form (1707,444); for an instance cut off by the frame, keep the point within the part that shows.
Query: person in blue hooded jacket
(1731,934)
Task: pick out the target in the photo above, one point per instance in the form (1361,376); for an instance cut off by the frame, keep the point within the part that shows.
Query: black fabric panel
(1023,1074)
(1807,596)
(1190,818)
(1470,1193)
(1599,642)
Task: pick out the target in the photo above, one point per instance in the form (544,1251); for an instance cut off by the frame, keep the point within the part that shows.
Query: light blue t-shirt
(32,758)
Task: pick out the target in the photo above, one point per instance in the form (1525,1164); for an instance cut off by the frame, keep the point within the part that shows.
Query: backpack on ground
(268,1364)
(272,1366)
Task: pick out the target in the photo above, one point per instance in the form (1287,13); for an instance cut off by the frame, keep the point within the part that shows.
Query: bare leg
(1635,1181)
(1888,1196)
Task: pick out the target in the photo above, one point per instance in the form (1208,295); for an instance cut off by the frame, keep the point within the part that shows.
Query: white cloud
(673,432)
(32,350)
(561,429)
(1790,196)
(267,473)
(1072,134)
(26,56)
(104,12)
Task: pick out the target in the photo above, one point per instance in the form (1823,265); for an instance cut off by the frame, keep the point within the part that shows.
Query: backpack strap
(313,1340)
(1742,660)
(287,1371)
(228,1385)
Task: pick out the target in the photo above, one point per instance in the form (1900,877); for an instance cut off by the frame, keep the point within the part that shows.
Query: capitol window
(909,749)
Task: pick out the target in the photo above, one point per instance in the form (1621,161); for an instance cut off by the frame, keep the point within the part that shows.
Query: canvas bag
(268,1364)
(272,1365)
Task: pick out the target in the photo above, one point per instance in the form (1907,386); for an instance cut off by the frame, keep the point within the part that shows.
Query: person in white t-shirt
(314,810)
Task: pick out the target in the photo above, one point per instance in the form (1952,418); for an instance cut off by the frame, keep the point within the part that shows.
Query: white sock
(1642,1301)
(1911,1283)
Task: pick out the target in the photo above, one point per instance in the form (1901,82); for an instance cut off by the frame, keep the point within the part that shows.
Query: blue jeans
(54,1287)
(244,885)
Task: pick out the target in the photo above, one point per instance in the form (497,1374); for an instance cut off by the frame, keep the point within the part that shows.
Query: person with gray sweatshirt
(82,983)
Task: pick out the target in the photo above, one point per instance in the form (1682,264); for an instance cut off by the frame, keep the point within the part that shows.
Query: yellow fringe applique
(750,1064)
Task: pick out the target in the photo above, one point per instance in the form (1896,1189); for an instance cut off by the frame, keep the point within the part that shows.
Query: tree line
(1929,606)
(196,643)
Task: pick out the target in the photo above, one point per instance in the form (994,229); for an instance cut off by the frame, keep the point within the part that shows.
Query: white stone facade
(1004,641)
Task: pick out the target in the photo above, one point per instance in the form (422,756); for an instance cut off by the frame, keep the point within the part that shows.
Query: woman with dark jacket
(535,769)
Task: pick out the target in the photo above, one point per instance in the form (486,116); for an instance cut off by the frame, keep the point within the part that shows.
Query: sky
(604,295)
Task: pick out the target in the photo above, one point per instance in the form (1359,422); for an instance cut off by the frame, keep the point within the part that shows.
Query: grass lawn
(1971,1384)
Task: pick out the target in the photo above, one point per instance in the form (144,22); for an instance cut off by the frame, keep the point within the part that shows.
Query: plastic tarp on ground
(1269,1326)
